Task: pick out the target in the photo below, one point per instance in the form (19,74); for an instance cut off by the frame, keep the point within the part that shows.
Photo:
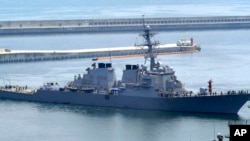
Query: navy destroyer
(141,87)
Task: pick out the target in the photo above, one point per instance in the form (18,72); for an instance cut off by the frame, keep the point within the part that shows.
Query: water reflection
(129,113)
(114,123)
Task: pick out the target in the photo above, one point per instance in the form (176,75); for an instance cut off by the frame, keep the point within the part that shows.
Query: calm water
(224,58)
(88,9)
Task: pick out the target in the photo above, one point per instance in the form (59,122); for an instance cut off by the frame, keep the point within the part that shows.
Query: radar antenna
(147,35)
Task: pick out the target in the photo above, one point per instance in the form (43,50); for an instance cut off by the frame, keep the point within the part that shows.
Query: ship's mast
(147,34)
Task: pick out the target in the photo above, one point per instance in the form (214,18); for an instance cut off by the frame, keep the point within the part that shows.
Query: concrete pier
(122,25)
(19,56)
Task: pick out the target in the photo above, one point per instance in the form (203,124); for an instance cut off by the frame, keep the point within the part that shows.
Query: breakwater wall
(21,56)
(123,25)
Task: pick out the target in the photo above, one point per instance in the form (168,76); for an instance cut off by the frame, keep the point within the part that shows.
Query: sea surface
(224,58)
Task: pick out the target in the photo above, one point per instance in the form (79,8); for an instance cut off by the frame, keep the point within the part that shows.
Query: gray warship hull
(223,104)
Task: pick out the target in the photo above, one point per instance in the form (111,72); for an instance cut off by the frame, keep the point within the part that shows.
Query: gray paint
(227,104)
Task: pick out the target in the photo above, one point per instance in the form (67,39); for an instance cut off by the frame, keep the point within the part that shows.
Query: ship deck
(18,89)
(26,90)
